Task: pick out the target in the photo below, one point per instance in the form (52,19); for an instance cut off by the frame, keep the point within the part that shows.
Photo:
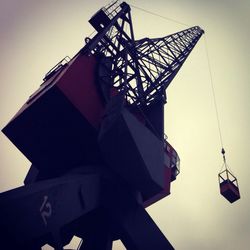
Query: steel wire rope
(163,17)
(213,92)
(216,109)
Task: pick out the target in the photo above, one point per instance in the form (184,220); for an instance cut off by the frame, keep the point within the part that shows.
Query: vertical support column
(136,228)
(139,232)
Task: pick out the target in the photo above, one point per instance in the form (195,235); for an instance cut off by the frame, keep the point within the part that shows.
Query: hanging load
(229,187)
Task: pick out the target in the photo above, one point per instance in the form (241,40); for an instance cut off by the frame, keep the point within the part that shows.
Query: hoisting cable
(213,93)
(163,17)
(216,107)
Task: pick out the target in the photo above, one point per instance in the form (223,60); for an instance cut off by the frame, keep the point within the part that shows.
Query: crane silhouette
(94,133)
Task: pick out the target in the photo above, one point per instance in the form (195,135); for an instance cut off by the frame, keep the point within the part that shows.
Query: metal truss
(142,69)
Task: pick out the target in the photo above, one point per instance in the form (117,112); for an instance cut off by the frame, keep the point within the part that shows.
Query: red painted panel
(229,191)
(229,186)
(78,85)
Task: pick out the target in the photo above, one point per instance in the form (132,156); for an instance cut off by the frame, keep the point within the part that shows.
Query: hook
(224,157)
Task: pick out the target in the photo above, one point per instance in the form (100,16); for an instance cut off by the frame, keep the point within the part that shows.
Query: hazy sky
(35,35)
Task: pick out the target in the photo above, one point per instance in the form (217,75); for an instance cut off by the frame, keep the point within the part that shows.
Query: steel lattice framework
(144,68)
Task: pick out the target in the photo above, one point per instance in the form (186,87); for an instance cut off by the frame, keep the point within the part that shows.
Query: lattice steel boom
(144,68)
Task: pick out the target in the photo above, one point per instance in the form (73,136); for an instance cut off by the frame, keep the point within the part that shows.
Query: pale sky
(35,35)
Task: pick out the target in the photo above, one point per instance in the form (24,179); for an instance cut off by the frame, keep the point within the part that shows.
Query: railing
(225,176)
(174,160)
(112,9)
(57,67)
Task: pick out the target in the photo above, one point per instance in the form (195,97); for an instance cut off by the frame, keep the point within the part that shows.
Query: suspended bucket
(229,186)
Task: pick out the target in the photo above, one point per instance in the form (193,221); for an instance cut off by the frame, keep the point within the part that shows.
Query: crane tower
(94,133)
